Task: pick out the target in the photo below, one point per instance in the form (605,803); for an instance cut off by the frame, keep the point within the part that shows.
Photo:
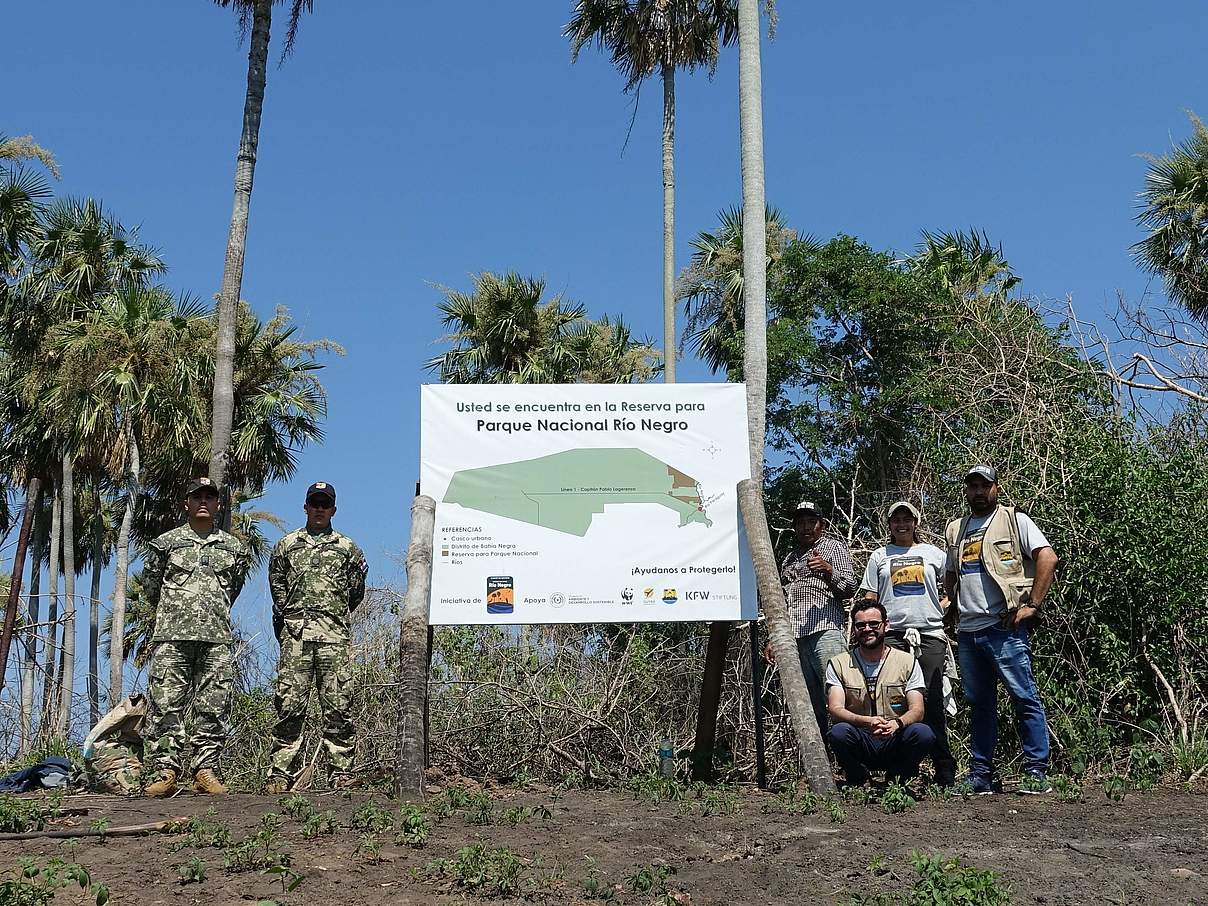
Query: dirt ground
(1150,848)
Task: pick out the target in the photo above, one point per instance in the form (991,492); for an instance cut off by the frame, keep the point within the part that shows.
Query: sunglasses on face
(320,503)
(868,624)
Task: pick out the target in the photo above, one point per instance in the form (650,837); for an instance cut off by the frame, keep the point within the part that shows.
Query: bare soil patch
(1150,848)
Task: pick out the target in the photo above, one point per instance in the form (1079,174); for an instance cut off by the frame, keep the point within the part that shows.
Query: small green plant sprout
(37,883)
(716,801)
(259,852)
(482,870)
(1067,789)
(878,865)
(650,879)
(100,827)
(271,822)
(192,872)
(948,882)
(289,878)
(835,811)
(858,795)
(369,848)
(19,816)
(371,818)
(414,828)
(896,799)
(204,831)
(654,789)
(594,885)
(1115,788)
(297,806)
(320,824)
(520,814)
(479,810)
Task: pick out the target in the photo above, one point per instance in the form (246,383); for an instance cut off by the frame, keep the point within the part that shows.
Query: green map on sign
(563,491)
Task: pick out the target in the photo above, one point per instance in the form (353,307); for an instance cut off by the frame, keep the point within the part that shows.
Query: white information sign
(577,503)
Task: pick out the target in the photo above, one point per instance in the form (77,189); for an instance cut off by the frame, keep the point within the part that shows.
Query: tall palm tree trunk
(67,665)
(51,649)
(29,669)
(232,269)
(14,588)
(669,348)
(94,613)
(117,631)
(814,762)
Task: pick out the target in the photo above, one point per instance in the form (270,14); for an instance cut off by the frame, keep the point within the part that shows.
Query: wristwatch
(898,721)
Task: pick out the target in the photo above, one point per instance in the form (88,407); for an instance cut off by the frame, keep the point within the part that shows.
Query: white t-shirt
(980,599)
(872,669)
(907,583)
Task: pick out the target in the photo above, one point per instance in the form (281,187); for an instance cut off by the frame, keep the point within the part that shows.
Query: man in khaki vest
(875,696)
(1000,567)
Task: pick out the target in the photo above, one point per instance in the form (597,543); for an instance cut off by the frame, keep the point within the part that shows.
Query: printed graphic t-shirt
(978,595)
(907,582)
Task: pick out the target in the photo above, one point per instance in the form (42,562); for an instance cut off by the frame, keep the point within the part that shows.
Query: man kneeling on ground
(875,696)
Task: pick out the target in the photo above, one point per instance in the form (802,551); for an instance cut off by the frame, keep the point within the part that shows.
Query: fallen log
(126,830)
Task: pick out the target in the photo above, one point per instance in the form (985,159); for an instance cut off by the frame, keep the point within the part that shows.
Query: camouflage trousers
(183,674)
(325,667)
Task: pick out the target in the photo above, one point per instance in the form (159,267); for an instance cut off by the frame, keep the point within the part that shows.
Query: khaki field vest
(888,697)
(1002,556)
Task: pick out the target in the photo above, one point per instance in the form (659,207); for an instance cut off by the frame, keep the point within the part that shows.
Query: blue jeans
(988,656)
(858,751)
(815,651)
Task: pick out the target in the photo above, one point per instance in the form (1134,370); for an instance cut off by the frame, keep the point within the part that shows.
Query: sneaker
(979,785)
(206,781)
(1035,783)
(164,784)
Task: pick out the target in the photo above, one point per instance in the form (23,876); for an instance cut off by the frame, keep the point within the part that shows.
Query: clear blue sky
(411,144)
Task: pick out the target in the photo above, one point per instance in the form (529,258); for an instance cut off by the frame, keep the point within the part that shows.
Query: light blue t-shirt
(907,583)
(981,602)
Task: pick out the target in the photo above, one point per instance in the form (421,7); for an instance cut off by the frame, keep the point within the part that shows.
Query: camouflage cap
(321,489)
(198,484)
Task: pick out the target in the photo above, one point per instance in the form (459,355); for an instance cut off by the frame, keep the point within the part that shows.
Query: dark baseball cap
(199,484)
(986,472)
(321,489)
(808,508)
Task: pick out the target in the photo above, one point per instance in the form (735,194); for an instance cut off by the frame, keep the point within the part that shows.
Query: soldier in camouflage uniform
(113,749)
(317,578)
(192,576)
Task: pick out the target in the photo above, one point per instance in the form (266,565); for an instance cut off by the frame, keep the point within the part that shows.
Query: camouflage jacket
(316,580)
(192,582)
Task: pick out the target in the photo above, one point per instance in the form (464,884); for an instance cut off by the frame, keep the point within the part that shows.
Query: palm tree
(503,333)
(646,37)
(712,287)
(608,353)
(257,13)
(1174,209)
(967,264)
(81,255)
(755,370)
(23,148)
(129,374)
(21,199)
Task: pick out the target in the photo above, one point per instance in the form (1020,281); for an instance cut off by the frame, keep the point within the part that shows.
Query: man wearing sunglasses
(317,579)
(875,696)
